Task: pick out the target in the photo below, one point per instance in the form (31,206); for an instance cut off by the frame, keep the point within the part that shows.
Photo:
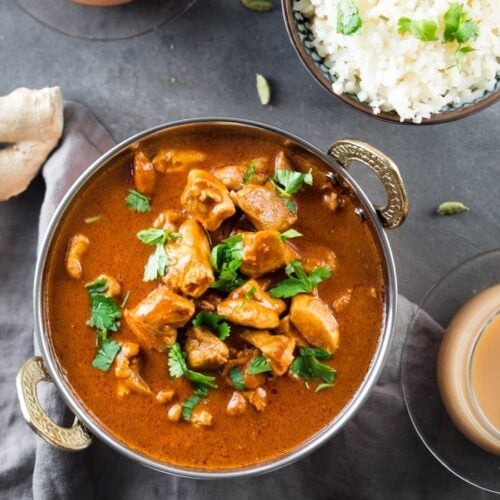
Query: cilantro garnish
(177,367)
(288,182)
(249,173)
(107,349)
(298,281)
(237,378)
(348,18)
(138,202)
(104,311)
(104,316)
(290,233)
(155,236)
(248,296)
(457,26)
(157,265)
(259,365)
(307,366)
(214,321)
(190,404)
(424,30)
(227,258)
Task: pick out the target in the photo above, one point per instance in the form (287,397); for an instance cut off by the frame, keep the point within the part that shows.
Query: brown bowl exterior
(308,62)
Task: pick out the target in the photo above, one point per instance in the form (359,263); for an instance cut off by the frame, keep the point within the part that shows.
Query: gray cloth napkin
(376,455)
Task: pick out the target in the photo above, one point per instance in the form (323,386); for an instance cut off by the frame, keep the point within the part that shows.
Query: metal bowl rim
(313,442)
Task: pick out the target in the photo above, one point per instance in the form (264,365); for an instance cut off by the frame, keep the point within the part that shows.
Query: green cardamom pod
(451,208)
(263,89)
(258,5)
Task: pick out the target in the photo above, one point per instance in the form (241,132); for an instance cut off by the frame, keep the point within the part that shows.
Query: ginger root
(31,124)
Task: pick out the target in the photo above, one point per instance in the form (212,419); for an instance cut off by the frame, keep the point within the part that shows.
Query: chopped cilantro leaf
(237,378)
(259,365)
(348,18)
(298,281)
(155,236)
(104,312)
(457,26)
(424,30)
(97,286)
(317,352)
(227,258)
(104,316)
(190,404)
(288,182)
(307,366)
(214,321)
(249,173)
(176,363)
(138,202)
(177,367)
(106,353)
(157,265)
(291,233)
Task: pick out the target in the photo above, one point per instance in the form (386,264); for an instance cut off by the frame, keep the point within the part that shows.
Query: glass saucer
(427,413)
(104,23)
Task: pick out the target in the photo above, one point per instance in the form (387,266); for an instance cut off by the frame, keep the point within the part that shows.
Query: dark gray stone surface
(204,64)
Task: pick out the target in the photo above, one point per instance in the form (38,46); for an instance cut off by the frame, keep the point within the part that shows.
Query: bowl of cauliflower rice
(407,61)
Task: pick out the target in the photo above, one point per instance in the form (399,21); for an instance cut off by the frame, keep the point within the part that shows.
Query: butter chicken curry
(214,301)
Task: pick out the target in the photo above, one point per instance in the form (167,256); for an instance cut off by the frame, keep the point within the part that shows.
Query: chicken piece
(206,199)
(201,418)
(278,349)
(315,321)
(237,404)
(288,329)
(169,220)
(190,269)
(282,162)
(243,360)
(165,396)
(176,160)
(263,207)
(205,350)
(233,176)
(257,398)
(319,256)
(175,412)
(264,252)
(155,319)
(77,247)
(249,305)
(114,288)
(342,301)
(144,173)
(127,370)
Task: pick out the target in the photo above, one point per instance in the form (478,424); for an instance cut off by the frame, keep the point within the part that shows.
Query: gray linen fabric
(377,455)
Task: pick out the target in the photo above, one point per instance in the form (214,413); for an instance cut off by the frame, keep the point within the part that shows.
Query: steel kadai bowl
(338,157)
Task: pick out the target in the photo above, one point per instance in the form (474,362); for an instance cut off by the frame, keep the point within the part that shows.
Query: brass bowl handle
(395,211)
(73,438)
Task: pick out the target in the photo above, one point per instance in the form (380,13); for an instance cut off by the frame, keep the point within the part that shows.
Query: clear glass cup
(419,378)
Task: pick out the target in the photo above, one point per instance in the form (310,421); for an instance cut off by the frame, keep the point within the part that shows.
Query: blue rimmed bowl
(302,38)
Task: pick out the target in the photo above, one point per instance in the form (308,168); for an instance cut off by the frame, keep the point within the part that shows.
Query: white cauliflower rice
(394,72)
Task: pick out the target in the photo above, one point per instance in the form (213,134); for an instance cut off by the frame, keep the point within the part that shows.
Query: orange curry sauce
(294,413)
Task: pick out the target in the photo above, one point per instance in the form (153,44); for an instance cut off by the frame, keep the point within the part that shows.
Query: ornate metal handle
(74,438)
(394,213)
